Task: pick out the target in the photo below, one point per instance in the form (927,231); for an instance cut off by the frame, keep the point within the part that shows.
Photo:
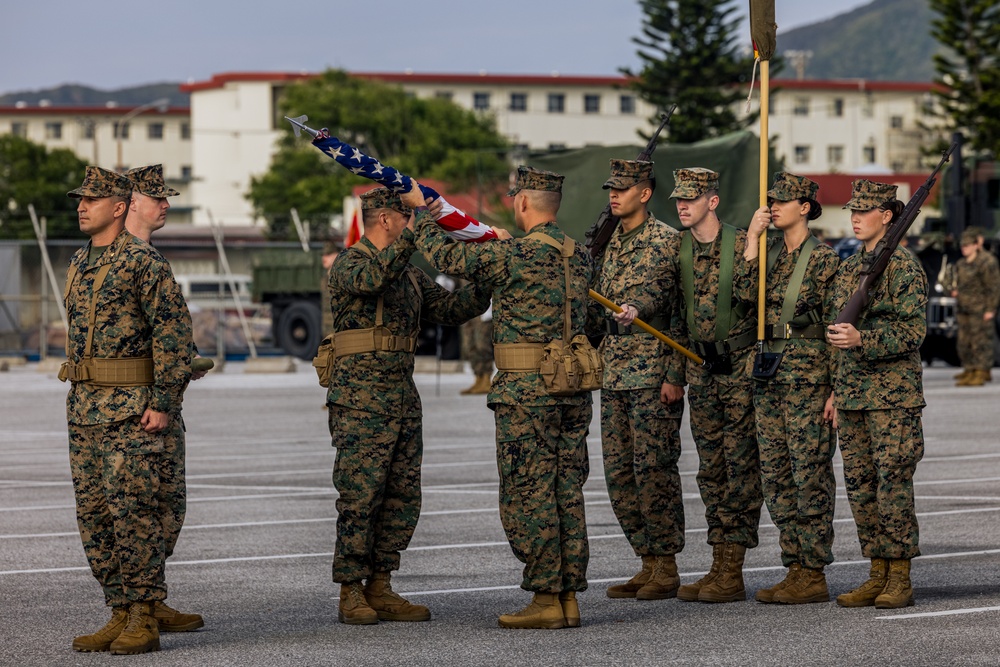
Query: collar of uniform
(111,253)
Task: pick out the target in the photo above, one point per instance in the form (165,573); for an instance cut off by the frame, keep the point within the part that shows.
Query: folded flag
(459,224)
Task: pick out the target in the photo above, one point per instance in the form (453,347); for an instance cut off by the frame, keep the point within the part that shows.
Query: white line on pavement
(927,614)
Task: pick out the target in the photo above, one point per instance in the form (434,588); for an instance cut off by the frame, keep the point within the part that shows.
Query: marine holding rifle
(878,397)
(791,388)
(641,407)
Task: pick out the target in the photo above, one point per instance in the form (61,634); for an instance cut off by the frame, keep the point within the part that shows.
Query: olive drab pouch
(323,361)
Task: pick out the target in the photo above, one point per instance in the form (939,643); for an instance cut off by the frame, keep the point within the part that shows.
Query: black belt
(713,349)
(789,331)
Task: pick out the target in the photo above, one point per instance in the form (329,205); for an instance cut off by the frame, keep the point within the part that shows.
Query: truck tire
(298,331)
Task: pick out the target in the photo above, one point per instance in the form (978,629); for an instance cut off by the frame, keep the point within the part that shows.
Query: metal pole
(300,230)
(217,234)
(43,339)
(39,234)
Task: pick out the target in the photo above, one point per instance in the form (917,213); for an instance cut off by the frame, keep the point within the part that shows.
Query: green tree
(969,69)
(423,138)
(32,174)
(691,59)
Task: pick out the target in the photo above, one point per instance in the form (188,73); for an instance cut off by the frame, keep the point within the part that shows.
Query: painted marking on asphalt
(929,614)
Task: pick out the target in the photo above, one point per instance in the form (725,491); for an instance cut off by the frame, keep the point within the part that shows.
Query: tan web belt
(518,357)
(788,332)
(109,372)
(357,341)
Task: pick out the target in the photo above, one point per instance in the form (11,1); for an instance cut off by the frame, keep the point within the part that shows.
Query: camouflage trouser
(116,478)
(722,424)
(477,345)
(641,440)
(975,342)
(542,458)
(377,474)
(796,466)
(880,450)
(173,490)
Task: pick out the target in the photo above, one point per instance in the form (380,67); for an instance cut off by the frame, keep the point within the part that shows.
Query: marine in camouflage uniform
(796,442)
(477,348)
(541,439)
(977,289)
(720,399)
(640,430)
(147,214)
(129,359)
(878,396)
(374,407)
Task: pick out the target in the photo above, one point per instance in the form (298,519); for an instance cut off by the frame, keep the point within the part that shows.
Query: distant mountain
(885,40)
(77,95)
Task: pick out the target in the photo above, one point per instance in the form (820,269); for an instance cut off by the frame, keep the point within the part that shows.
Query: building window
(869,154)
(896,122)
(443,94)
(19,130)
(88,129)
(53,130)
(802,154)
(518,101)
(557,103)
(626,104)
(155,131)
(121,130)
(835,154)
(480,101)
(186,131)
(801,107)
(186,172)
(591,104)
(868,107)
(557,147)
(897,167)
(837,107)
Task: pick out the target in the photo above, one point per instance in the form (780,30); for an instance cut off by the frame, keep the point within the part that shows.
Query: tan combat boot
(689,592)
(973,378)
(388,604)
(632,586)
(354,609)
(766,595)
(480,386)
(898,592)
(570,608)
(171,620)
(865,594)
(728,586)
(544,613)
(141,634)
(663,582)
(809,586)
(101,640)
(964,374)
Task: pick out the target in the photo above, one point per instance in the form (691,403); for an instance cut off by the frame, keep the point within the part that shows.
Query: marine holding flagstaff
(377,299)
(720,327)
(539,292)
(791,388)
(641,406)
(877,399)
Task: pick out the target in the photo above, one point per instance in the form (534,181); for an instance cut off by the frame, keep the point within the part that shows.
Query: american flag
(456,222)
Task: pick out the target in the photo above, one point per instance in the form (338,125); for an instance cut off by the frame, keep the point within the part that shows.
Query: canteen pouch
(591,364)
(568,370)
(323,361)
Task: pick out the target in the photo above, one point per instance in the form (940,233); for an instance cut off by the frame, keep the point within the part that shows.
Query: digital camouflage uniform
(978,286)
(878,393)
(477,345)
(116,465)
(722,413)
(541,439)
(374,407)
(640,435)
(796,443)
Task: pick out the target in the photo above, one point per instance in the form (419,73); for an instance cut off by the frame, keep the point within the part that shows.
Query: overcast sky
(110,44)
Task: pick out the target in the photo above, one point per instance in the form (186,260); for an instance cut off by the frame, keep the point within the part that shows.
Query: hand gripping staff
(877,260)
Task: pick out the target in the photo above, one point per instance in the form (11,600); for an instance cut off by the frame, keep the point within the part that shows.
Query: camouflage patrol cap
(626,173)
(970,236)
(789,187)
(868,195)
(694,182)
(100,183)
(383,198)
(149,181)
(529,178)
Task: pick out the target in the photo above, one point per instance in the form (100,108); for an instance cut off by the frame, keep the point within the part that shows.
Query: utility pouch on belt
(569,365)
(323,361)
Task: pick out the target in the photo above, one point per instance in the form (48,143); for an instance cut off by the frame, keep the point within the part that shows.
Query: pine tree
(969,71)
(691,59)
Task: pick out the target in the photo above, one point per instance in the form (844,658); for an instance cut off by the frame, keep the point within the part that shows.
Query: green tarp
(734,156)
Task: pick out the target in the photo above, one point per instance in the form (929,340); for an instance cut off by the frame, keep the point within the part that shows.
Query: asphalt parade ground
(255,554)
